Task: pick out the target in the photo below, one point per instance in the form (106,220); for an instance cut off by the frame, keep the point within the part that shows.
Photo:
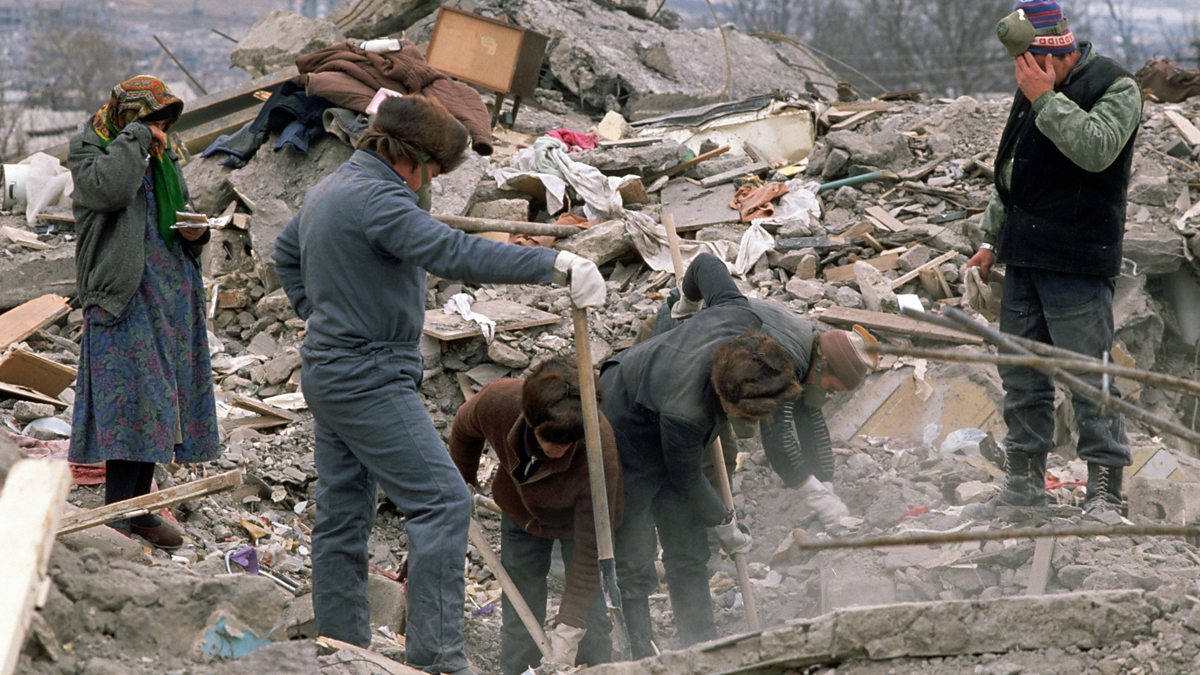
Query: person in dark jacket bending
(535,426)
(666,399)
(1057,220)
(796,439)
(353,263)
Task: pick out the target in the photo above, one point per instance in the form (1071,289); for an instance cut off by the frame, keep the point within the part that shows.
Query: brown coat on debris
(556,501)
(349,77)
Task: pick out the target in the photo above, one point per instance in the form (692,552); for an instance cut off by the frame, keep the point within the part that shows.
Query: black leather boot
(1024,485)
(1103,488)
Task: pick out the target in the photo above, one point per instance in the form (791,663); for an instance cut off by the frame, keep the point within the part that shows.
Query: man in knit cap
(1057,220)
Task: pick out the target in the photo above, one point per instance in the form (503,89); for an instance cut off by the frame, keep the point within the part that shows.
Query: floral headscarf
(135,99)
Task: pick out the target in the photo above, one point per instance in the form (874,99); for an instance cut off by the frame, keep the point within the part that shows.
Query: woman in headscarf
(144,392)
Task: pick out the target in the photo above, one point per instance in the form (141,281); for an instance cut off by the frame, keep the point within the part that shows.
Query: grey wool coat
(109,202)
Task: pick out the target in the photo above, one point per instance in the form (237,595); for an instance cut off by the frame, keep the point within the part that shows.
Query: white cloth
(799,208)
(48,182)
(460,304)
(549,163)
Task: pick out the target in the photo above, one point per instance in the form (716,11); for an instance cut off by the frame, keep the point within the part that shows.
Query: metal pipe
(1078,365)
(922,539)
(958,319)
(181,66)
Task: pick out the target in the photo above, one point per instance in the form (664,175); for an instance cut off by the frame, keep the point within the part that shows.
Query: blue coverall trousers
(372,429)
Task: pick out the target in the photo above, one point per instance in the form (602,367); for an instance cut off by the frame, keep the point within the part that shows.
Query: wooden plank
(508,315)
(379,660)
(695,207)
(1189,132)
(24,238)
(854,120)
(255,422)
(1039,573)
(884,219)
(727,176)
(82,520)
(846,272)
(632,142)
(256,406)
(35,372)
(20,393)
(914,273)
(30,507)
(24,320)
(893,323)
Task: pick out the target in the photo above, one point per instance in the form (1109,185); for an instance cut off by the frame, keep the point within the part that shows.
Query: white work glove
(587,286)
(733,539)
(684,307)
(828,506)
(564,644)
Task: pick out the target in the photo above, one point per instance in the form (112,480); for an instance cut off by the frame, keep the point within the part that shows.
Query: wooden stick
(388,665)
(30,507)
(683,166)
(468,224)
(599,488)
(739,559)
(914,273)
(930,538)
(82,520)
(510,589)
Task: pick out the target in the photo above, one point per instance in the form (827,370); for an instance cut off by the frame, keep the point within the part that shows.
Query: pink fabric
(574,140)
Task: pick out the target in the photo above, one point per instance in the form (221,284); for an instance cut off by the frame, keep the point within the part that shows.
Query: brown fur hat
(754,374)
(421,123)
(550,402)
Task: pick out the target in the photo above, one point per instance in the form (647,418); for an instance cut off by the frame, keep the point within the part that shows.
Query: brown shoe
(163,535)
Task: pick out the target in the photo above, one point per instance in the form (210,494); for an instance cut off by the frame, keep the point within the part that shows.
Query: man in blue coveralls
(353,264)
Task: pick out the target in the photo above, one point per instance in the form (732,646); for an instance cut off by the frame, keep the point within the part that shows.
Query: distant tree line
(946,48)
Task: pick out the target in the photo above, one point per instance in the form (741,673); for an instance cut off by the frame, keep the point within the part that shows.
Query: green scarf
(168,193)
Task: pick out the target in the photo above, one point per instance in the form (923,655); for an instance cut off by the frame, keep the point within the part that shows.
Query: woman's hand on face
(158,137)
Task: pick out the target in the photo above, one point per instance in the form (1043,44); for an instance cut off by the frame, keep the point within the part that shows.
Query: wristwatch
(987,247)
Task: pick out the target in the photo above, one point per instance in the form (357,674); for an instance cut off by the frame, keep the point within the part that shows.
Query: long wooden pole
(595,463)
(469,224)
(739,559)
(82,520)
(718,454)
(931,538)
(475,534)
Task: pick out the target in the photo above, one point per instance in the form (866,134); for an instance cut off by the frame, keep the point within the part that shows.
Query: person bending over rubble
(796,439)
(666,399)
(1057,220)
(144,391)
(353,263)
(535,426)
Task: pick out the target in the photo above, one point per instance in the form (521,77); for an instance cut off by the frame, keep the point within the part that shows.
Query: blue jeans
(372,428)
(526,558)
(1071,311)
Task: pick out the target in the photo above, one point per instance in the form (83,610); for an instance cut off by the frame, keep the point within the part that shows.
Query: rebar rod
(1078,365)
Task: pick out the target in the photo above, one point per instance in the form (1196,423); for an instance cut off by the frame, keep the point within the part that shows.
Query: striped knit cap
(1047,16)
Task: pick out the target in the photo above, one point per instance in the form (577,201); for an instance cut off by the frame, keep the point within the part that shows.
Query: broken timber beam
(469,224)
(30,507)
(892,323)
(82,520)
(1189,132)
(24,320)
(916,272)
(377,660)
(928,538)
(722,178)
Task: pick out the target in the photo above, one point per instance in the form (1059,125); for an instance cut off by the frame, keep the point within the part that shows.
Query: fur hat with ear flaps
(424,124)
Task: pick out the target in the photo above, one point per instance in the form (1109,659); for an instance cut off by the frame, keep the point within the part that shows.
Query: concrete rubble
(912,447)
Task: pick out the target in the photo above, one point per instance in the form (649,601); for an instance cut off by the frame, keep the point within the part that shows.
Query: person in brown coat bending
(535,426)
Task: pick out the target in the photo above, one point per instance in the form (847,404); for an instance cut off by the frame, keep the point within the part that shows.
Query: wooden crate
(487,53)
